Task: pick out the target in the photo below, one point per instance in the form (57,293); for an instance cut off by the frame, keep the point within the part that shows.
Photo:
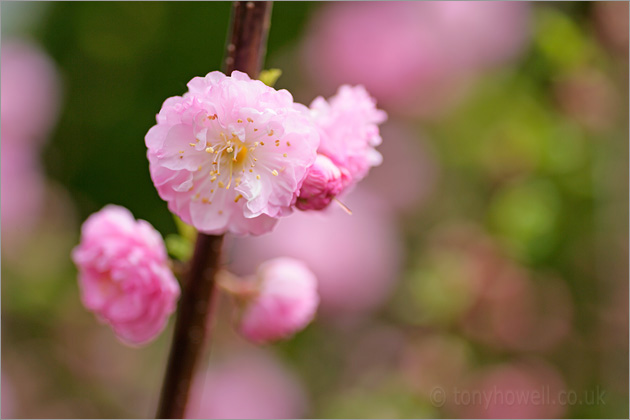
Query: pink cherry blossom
(231,154)
(323,182)
(348,124)
(124,275)
(285,303)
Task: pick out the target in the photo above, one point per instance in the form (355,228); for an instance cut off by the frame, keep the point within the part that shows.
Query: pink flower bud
(124,275)
(286,302)
(324,180)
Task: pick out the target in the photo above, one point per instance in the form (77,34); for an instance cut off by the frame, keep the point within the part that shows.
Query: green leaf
(185,230)
(270,76)
(179,247)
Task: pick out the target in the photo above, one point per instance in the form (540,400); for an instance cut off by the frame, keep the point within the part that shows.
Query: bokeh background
(487,256)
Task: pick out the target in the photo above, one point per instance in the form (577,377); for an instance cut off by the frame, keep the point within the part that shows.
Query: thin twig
(245,52)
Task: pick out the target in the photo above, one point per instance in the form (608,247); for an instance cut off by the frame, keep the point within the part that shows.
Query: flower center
(239,154)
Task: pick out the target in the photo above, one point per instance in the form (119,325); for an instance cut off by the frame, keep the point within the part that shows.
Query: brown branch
(192,328)
(248,37)
(245,51)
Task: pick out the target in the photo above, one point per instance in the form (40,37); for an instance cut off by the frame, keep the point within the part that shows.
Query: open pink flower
(285,303)
(124,275)
(231,154)
(348,124)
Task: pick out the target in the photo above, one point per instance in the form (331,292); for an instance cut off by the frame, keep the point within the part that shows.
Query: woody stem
(245,51)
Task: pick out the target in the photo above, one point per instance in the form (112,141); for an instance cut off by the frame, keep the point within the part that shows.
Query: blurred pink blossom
(124,275)
(22,188)
(589,97)
(30,104)
(526,389)
(502,306)
(517,313)
(30,92)
(611,22)
(231,154)
(409,157)
(247,386)
(356,259)
(285,301)
(7,402)
(414,57)
(433,360)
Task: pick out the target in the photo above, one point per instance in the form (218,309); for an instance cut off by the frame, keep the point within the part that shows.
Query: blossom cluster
(230,155)
(233,154)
